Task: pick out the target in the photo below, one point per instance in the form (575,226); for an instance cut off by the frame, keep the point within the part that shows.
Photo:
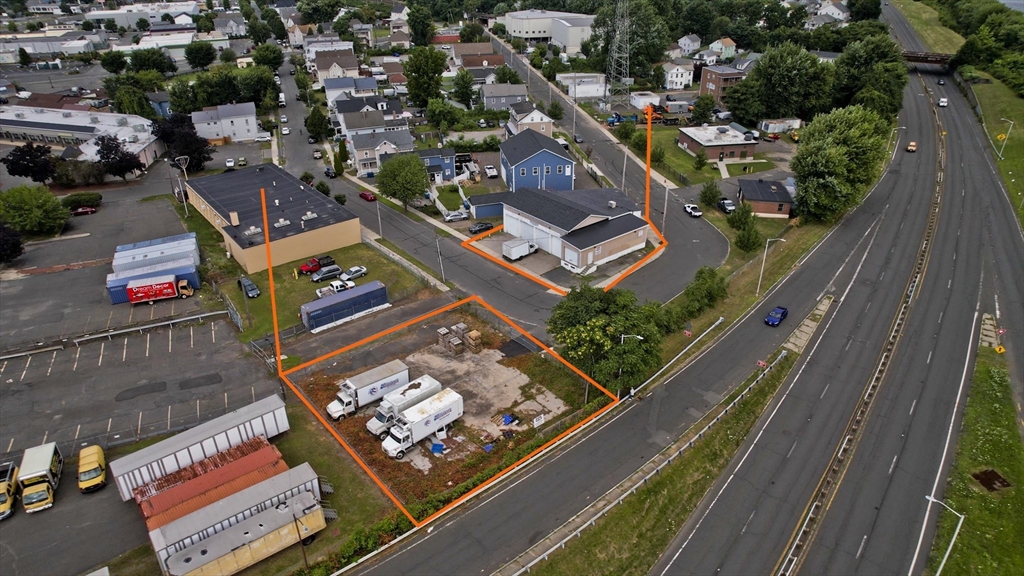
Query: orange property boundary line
(355,456)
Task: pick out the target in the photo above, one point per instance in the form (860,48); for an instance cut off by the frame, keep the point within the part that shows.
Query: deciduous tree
(152,59)
(131,100)
(315,11)
(142,24)
(403,178)
(702,107)
(464,89)
(421,26)
(317,124)
(268,55)
(117,161)
(423,70)
(113,61)
(259,32)
(10,244)
(30,161)
(199,55)
(709,194)
(471,32)
(504,74)
(32,210)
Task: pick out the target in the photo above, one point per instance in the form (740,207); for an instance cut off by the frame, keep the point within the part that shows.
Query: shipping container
(189,530)
(265,417)
(150,489)
(251,540)
(222,490)
(348,305)
(176,495)
(156,241)
(144,257)
(117,283)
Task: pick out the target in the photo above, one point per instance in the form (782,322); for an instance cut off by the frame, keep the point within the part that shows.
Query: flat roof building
(720,142)
(128,16)
(539,25)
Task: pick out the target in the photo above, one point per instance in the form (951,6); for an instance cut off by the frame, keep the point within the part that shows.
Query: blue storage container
(117,283)
(154,242)
(338,307)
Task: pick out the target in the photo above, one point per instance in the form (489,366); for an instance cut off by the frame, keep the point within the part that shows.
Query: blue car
(776,316)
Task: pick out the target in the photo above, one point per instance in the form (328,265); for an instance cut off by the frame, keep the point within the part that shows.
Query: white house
(234,122)
(399,11)
(368,149)
(836,10)
(312,48)
(689,44)
(336,64)
(583,85)
(297,33)
(678,74)
(706,57)
(524,115)
(350,87)
(725,47)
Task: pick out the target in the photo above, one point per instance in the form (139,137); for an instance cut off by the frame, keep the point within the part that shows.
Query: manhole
(991,480)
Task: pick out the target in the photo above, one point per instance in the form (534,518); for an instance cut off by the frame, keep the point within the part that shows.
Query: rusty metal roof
(187,473)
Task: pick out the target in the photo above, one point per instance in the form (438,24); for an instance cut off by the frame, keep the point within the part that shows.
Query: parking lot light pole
(955,532)
(380,226)
(182,161)
(766,242)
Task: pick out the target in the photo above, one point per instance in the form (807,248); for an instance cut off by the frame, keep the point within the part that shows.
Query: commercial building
(719,142)
(80,128)
(175,44)
(715,80)
(569,32)
(533,159)
(128,16)
(227,123)
(303,222)
(52,42)
(768,199)
(583,85)
(640,100)
(539,26)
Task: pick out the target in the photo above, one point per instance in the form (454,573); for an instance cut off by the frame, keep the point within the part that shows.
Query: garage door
(512,224)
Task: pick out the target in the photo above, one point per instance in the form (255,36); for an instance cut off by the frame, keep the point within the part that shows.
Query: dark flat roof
(239,191)
(765,191)
(603,231)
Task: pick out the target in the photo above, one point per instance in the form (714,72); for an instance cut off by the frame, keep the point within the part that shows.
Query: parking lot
(251,151)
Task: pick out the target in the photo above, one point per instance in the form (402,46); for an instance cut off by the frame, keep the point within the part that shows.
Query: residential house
(362,31)
(689,44)
(706,57)
(313,47)
(715,80)
(673,51)
(471,49)
(231,26)
(245,62)
(815,22)
(166,29)
(369,122)
(397,81)
(823,56)
(718,142)
(501,96)
(399,11)
(336,64)
(349,87)
(227,123)
(392,68)
(390,109)
(524,115)
(678,74)
(367,149)
(746,62)
(470,62)
(400,40)
(400,25)
(297,33)
(725,47)
(532,159)
(440,163)
(768,199)
(483,76)
(837,10)
(160,102)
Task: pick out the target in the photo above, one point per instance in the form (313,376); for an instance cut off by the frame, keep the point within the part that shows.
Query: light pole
(380,226)
(437,241)
(955,532)
(894,131)
(1005,138)
(182,161)
(766,242)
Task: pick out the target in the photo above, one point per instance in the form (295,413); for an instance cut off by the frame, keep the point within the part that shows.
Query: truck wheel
(382,436)
(400,455)
(308,540)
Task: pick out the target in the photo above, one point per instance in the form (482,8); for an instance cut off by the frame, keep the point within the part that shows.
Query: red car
(84,210)
(368,196)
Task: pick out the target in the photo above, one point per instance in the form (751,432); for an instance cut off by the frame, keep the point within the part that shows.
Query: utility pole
(183,162)
(437,241)
(380,226)
(664,213)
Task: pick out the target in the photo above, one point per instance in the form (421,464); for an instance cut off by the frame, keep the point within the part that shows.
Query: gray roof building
(764,191)
(529,142)
(567,209)
(401,139)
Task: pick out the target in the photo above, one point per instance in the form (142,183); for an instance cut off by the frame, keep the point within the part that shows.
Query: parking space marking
(10,445)
(109,422)
(213,331)
(77,352)
(45,435)
(124,353)
(29,361)
(147,344)
(191,337)
(77,430)
(168,417)
(131,312)
(110,319)
(169,331)
(102,345)
(52,358)
(152,312)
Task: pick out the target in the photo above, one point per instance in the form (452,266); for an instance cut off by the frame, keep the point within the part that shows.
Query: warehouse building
(303,222)
(128,16)
(566,29)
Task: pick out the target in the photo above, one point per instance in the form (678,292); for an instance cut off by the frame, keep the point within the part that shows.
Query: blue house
(440,163)
(535,160)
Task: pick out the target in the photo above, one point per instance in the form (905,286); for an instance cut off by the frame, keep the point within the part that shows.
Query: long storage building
(344,306)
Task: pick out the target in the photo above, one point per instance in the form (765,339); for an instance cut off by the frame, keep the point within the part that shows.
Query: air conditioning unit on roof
(252,231)
(281,223)
(309,215)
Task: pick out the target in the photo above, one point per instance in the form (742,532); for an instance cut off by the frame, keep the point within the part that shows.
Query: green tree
(709,194)
(865,9)
(165,17)
(142,24)
(131,100)
(856,64)
(87,25)
(117,161)
(700,159)
(204,26)
(316,11)
(323,188)
(307,177)
(423,70)
(199,55)
(152,59)
(179,134)
(702,108)
(82,199)
(182,97)
(228,56)
(657,155)
(317,124)
(499,29)
(639,142)
(421,26)
(787,81)
(748,239)
(341,158)
(12,26)
(32,210)
(441,113)
(506,75)
(218,86)
(209,4)
(555,111)
(500,9)
(519,45)
(24,58)
(648,33)
(403,178)
(625,131)
(268,55)
(471,32)
(464,89)
(11,245)
(743,217)
(30,161)
(110,25)
(340,199)
(259,32)
(253,84)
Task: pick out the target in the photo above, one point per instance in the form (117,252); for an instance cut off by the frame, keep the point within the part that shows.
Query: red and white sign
(687,333)
(1001,331)
(762,363)
(154,291)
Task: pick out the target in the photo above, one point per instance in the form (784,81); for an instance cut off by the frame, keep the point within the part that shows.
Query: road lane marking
(863,541)
(912,405)
(27,362)
(940,316)
(790,453)
(848,342)
(213,331)
(45,436)
(124,353)
(949,284)
(748,522)
(882,276)
(77,430)
(102,344)
(893,465)
(191,337)
(152,311)
(52,358)
(848,256)
(997,305)
(868,307)
(2,366)
(77,352)
(10,445)
(109,422)
(147,344)
(929,361)
(169,331)
(131,311)
(825,390)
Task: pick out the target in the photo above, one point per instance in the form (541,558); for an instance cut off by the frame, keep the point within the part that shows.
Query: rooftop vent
(19,114)
(722,129)
(309,215)
(281,223)
(122,121)
(234,218)
(612,204)
(66,114)
(133,138)
(253,230)
(94,119)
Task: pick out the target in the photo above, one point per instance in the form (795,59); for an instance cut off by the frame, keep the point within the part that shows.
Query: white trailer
(398,401)
(266,417)
(780,126)
(368,387)
(431,416)
(517,249)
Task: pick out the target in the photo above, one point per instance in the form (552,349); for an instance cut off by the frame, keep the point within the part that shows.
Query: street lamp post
(182,161)
(380,226)
(955,532)
(437,241)
(1005,138)
(768,241)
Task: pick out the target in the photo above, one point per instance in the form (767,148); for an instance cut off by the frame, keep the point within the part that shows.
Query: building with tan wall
(767,198)
(303,222)
(719,142)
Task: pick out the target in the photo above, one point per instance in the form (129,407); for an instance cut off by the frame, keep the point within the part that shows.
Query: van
(281,102)
(92,469)
(8,488)
(326,273)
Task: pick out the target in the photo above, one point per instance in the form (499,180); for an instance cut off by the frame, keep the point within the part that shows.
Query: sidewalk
(440,225)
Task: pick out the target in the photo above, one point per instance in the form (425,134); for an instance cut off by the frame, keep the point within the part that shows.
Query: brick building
(715,80)
(720,142)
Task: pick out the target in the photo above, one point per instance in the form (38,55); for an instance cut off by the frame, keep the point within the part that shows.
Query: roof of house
(823,55)
(488,199)
(726,41)
(343,58)
(482,60)
(223,22)
(472,48)
(493,90)
(363,119)
(528,143)
(743,64)
(361,83)
(287,197)
(393,67)
(480,73)
(159,97)
(822,19)
(692,38)
(765,191)
(397,78)
(399,36)
(725,70)
(603,231)
(686,63)
(343,105)
(567,209)
(436,152)
(401,139)
(838,6)
(224,111)
(524,107)
(397,8)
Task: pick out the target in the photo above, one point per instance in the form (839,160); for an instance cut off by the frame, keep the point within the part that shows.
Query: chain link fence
(232,311)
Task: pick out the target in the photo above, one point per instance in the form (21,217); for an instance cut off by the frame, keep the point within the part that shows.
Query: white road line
(748,522)
(110,318)
(45,436)
(10,445)
(147,344)
(52,358)
(912,405)
(882,276)
(102,345)
(152,311)
(27,362)
(862,543)
(893,465)
(2,366)
(848,256)
(949,284)
(109,422)
(929,361)
(940,316)
(997,305)
(124,353)
(825,390)
(791,448)
(848,342)
(213,331)
(169,331)
(77,352)
(131,311)
(77,430)
(868,307)
(191,337)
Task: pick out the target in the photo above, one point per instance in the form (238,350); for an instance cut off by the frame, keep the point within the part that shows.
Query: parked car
(482,123)
(490,171)
(311,140)
(354,272)
(230,162)
(242,161)
(912,147)
(263,138)
(326,273)
(330,173)
(490,123)
(367,195)
(286,130)
(693,210)
(480,227)
(670,98)
(248,287)
(318,154)
(445,47)
(577,139)
(726,205)
(284,119)
(83,211)
(456,216)
(776,316)
(943,102)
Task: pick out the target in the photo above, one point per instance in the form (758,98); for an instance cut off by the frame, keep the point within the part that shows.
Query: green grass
(998,102)
(634,534)
(449,197)
(140,560)
(476,190)
(216,266)
(293,292)
(678,160)
(737,169)
(408,257)
(925,21)
(990,539)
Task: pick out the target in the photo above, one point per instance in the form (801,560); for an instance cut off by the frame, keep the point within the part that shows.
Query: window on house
(559,169)
(543,128)
(780,207)
(597,250)
(568,169)
(536,171)
(366,154)
(732,154)
(246,121)
(522,171)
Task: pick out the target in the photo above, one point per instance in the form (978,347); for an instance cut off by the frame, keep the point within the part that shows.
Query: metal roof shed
(155,242)
(266,417)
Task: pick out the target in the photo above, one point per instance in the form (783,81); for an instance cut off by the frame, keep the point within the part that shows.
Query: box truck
(8,488)
(517,249)
(39,475)
(368,387)
(428,417)
(158,288)
(398,401)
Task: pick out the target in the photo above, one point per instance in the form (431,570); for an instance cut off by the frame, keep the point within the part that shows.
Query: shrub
(742,218)
(82,199)
(340,199)
(709,194)
(307,177)
(749,239)
(323,188)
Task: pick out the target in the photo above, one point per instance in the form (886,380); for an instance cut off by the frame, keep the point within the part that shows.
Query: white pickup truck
(335,287)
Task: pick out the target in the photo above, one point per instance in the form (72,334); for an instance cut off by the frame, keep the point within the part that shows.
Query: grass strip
(408,257)
(999,102)
(926,22)
(993,530)
(632,536)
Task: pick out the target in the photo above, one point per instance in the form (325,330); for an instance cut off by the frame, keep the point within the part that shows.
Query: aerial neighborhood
(332,272)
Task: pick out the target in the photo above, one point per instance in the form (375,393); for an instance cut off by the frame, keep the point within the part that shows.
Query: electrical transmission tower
(619,79)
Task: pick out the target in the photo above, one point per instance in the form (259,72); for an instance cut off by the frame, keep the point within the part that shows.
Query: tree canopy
(32,210)
(268,55)
(152,59)
(421,26)
(316,11)
(199,55)
(117,161)
(113,61)
(423,70)
(179,134)
(464,89)
(786,82)
(30,161)
(403,178)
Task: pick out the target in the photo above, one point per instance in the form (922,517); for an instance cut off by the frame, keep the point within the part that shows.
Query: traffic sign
(762,363)
(1000,349)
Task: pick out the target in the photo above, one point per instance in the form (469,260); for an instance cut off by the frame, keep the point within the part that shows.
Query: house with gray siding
(502,96)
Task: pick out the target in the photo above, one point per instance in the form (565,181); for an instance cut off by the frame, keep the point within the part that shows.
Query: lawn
(216,266)
(925,21)
(476,190)
(990,539)
(449,196)
(677,160)
(409,257)
(997,102)
(738,169)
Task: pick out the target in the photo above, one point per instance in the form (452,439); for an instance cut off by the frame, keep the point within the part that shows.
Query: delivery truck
(431,416)
(39,476)
(8,488)
(158,288)
(398,401)
(367,388)
(92,469)
(517,249)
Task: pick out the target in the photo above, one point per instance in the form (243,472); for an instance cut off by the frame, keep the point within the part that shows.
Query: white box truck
(368,387)
(517,249)
(398,401)
(39,475)
(428,417)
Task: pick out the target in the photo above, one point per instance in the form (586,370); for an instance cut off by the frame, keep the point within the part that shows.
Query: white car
(353,273)
(456,216)
(264,138)
(693,210)
(445,47)
(943,102)
(230,162)
(286,130)
(284,119)
(490,171)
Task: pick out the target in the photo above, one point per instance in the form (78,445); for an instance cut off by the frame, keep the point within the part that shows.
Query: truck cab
(39,476)
(8,488)
(92,469)
(342,405)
